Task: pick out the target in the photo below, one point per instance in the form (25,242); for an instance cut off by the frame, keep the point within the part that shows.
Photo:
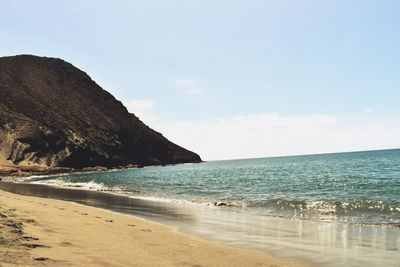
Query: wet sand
(48,232)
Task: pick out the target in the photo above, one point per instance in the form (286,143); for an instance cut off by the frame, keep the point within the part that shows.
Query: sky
(232,79)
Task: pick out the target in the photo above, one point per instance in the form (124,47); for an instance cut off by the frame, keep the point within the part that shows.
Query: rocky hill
(53,114)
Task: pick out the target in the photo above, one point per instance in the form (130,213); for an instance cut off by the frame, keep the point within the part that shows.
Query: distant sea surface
(354,196)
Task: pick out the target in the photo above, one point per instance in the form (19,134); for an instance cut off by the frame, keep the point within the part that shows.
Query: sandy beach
(48,232)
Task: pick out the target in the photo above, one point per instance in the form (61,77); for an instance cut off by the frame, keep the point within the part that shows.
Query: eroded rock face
(53,114)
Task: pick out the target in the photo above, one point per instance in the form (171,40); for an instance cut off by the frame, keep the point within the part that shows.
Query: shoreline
(46,231)
(16,171)
(315,243)
(295,242)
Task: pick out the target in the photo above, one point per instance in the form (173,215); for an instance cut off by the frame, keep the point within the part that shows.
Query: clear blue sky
(228,78)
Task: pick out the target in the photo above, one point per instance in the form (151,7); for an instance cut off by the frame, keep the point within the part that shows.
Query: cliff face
(53,114)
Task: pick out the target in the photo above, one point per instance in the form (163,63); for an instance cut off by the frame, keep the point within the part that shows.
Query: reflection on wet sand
(117,203)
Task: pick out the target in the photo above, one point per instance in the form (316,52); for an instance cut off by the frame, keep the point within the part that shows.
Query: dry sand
(48,232)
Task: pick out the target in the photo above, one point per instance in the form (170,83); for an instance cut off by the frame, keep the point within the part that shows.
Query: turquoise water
(358,187)
(330,210)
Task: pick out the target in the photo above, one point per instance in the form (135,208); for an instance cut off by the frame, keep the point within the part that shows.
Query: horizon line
(306,154)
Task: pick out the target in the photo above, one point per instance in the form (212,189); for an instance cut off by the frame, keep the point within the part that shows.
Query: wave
(317,206)
(91,185)
(330,207)
(355,211)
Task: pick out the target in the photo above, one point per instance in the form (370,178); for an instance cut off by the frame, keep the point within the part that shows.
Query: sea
(339,209)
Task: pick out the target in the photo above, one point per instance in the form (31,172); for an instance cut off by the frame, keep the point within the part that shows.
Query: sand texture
(47,232)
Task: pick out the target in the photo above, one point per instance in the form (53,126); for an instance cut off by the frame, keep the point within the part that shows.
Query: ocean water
(359,187)
(345,205)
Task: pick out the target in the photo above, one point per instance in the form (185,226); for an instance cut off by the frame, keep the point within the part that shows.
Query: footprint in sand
(98,217)
(146,230)
(30,238)
(109,221)
(32,246)
(131,225)
(65,244)
(61,208)
(29,221)
(41,259)
(84,214)
(44,259)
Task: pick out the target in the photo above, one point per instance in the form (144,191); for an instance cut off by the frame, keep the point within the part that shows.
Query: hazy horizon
(311,154)
(232,79)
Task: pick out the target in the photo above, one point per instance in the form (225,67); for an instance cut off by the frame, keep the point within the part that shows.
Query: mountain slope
(53,114)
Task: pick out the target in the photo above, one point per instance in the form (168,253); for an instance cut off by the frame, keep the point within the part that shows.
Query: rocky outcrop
(52,114)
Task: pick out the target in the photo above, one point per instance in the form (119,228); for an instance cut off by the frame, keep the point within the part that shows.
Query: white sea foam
(180,202)
(91,185)
(94,186)
(322,207)
(34,178)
